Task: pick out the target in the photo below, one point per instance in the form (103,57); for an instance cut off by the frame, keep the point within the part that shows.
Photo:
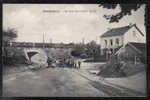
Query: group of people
(73,63)
(70,62)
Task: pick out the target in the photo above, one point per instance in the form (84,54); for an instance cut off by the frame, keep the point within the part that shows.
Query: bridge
(47,52)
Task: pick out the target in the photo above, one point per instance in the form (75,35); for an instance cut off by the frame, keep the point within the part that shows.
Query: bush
(76,53)
(14,56)
(121,69)
(112,69)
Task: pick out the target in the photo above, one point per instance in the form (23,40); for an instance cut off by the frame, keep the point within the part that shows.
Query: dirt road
(58,82)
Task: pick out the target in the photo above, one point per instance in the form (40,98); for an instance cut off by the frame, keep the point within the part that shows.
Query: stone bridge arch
(56,52)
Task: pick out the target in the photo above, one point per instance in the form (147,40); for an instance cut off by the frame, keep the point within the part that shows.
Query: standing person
(49,61)
(75,64)
(79,63)
(72,63)
(69,62)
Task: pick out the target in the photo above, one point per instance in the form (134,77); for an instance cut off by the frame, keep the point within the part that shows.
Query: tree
(93,49)
(9,35)
(78,50)
(126,9)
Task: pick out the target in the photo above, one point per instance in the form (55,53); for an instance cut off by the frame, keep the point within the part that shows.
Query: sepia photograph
(74,50)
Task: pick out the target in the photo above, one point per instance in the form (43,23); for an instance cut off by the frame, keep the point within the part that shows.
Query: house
(115,38)
(132,51)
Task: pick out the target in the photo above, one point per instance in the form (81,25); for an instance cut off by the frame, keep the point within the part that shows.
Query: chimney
(130,24)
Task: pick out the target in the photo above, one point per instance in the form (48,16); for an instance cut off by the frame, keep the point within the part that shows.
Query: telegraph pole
(43,40)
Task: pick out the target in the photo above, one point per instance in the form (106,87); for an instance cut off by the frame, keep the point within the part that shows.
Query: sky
(63,22)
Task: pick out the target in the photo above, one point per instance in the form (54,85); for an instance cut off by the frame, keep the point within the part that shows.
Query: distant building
(115,38)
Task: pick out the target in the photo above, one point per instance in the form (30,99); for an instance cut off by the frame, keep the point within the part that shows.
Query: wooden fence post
(135,60)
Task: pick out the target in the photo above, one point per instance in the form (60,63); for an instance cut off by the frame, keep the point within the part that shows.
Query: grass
(111,70)
(10,69)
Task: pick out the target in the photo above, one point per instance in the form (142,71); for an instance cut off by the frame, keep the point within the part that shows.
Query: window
(111,42)
(117,41)
(105,42)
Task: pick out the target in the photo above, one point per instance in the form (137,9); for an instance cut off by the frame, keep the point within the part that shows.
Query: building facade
(115,38)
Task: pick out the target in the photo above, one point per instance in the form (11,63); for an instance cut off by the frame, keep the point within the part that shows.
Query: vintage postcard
(74,50)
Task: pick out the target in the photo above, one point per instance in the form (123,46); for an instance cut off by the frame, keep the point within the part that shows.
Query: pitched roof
(119,31)
(139,46)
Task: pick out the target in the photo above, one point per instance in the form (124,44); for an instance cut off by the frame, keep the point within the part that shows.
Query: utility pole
(43,40)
